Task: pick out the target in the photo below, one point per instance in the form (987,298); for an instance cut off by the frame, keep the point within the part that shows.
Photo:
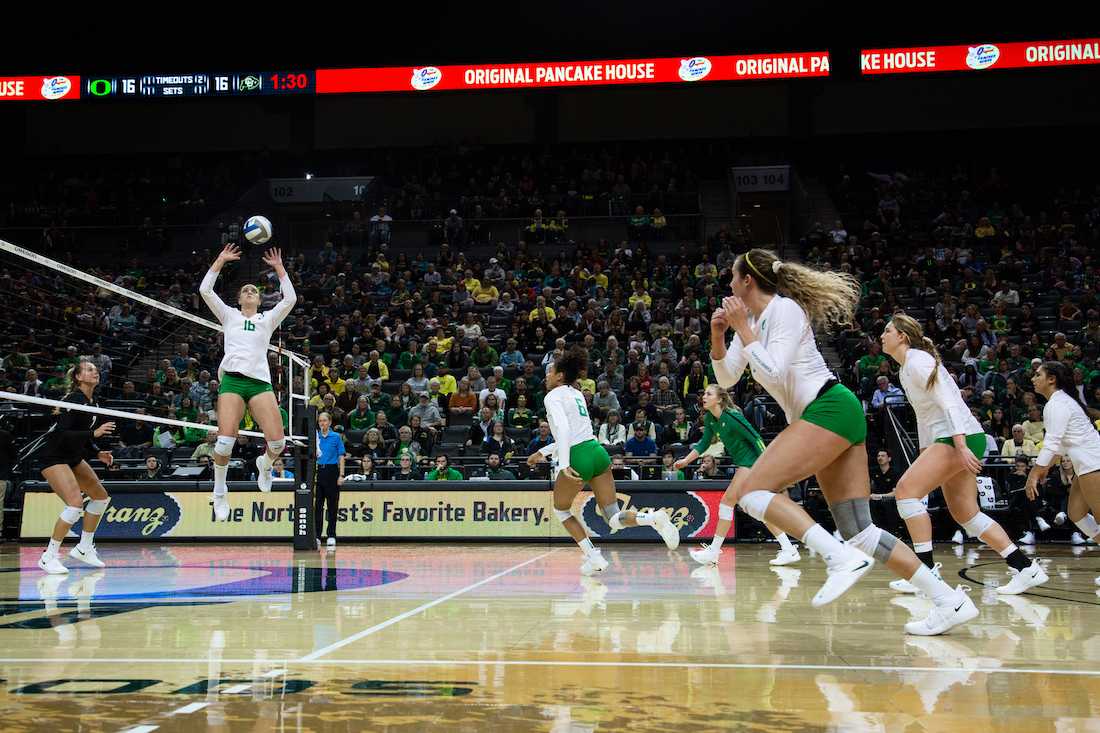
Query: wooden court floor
(506,637)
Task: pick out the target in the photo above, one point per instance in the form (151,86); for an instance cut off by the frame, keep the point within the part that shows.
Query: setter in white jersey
(1069,432)
(952,445)
(245,378)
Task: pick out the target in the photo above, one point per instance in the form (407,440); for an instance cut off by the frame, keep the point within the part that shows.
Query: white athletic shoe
(1098,580)
(706,555)
(786,557)
(941,619)
(330,542)
(221,507)
(1077,539)
(666,529)
(958,537)
(1027,539)
(51,564)
(593,563)
(1060,518)
(263,473)
(87,555)
(1043,524)
(843,577)
(1029,577)
(902,585)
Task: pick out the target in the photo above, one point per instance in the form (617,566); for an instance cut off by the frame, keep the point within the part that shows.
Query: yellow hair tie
(758,273)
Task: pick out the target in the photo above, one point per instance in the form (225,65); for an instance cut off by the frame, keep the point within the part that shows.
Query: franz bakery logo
(135,516)
(56,87)
(694,69)
(983,56)
(426,77)
(686,510)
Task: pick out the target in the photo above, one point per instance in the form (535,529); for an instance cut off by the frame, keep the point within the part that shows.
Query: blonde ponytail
(909,327)
(829,298)
(930,347)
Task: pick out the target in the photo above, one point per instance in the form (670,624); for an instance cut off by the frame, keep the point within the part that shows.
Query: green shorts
(839,411)
(589,459)
(975,442)
(246,387)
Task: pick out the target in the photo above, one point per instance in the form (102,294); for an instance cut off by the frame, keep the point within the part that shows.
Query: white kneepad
(97,506)
(867,539)
(755,503)
(223,446)
(977,525)
(908,508)
(71,514)
(562,514)
(725,511)
(275,447)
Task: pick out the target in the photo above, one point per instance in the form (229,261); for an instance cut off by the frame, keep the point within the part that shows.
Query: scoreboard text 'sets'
(199,85)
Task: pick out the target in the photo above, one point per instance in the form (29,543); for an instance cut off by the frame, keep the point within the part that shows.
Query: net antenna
(293,359)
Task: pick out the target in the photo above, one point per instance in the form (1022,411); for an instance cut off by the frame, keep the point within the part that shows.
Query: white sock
(939,591)
(587,547)
(86,538)
(717,541)
(1088,526)
(784,542)
(922,547)
(220,486)
(832,551)
(644,519)
(1008,550)
(54,547)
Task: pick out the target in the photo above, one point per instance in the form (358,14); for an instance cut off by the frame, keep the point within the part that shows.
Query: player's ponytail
(908,327)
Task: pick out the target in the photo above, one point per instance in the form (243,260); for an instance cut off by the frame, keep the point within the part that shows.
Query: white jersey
(784,359)
(247,339)
(1069,433)
(567,413)
(941,412)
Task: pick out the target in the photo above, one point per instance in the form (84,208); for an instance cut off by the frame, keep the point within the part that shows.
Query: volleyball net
(157,358)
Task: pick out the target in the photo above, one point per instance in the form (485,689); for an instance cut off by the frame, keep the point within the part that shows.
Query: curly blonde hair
(829,298)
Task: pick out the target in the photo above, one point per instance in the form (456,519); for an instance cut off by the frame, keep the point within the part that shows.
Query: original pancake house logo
(687,512)
(140,515)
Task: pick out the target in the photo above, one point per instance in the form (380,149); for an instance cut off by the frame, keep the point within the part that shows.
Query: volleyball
(257,229)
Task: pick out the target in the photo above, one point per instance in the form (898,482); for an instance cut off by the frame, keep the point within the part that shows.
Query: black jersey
(71,439)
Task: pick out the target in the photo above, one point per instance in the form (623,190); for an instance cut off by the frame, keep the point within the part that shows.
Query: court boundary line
(318,653)
(565,663)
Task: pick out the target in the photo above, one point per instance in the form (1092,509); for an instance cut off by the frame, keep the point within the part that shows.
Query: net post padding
(304,535)
(293,357)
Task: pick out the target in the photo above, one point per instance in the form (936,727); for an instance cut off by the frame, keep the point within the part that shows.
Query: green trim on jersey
(742,443)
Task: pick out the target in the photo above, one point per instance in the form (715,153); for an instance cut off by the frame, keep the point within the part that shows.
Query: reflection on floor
(510,637)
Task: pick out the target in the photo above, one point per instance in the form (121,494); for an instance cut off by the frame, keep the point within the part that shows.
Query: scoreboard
(200,84)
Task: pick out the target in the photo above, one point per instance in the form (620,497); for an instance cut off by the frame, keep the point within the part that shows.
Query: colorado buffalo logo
(687,512)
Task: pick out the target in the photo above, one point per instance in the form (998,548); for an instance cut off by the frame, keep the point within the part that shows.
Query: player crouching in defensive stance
(583,460)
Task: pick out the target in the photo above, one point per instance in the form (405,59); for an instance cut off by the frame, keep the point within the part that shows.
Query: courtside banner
(677,70)
(470,514)
(979,56)
(39,88)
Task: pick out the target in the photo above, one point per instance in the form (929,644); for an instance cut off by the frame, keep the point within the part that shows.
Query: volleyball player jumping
(244,375)
(64,452)
(827,428)
(581,459)
(952,444)
(743,446)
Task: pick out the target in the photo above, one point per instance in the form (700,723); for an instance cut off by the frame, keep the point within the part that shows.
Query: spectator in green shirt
(868,363)
(484,355)
(361,418)
(443,471)
(410,356)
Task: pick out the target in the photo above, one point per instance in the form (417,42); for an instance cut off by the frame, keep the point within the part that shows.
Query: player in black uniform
(64,453)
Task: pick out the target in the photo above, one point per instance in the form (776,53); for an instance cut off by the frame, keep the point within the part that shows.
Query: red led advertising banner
(38,88)
(573,73)
(980,56)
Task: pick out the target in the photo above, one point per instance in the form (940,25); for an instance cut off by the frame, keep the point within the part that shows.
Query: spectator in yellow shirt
(1018,444)
(447,383)
(485,293)
(640,294)
(541,307)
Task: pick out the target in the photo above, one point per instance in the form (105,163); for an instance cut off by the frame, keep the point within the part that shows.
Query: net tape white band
(99,282)
(16,397)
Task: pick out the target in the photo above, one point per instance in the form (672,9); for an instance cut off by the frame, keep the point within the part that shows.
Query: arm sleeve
(705,441)
(728,371)
(559,428)
(1056,418)
(782,347)
(213,302)
(284,306)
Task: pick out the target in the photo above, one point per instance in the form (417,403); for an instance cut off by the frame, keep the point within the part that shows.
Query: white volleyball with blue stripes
(257,229)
